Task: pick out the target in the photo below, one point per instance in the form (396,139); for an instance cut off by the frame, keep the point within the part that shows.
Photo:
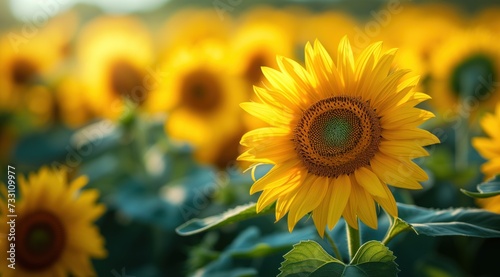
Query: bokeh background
(143,98)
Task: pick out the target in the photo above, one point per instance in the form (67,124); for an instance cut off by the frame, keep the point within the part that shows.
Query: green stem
(389,236)
(468,84)
(462,144)
(334,246)
(353,240)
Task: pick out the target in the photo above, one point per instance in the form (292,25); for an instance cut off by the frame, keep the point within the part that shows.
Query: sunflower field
(233,138)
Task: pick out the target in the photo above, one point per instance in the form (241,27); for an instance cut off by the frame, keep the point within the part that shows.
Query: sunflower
(191,26)
(201,98)
(436,21)
(339,133)
(27,62)
(488,18)
(256,43)
(489,148)
(491,204)
(22,67)
(465,68)
(114,55)
(55,235)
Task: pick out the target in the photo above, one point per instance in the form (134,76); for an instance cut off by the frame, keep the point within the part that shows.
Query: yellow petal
(366,207)
(309,196)
(277,176)
(341,192)
(369,181)
(388,203)
(345,62)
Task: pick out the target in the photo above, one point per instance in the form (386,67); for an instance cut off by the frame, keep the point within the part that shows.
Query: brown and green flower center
(201,91)
(253,72)
(127,81)
(23,71)
(41,239)
(473,76)
(337,135)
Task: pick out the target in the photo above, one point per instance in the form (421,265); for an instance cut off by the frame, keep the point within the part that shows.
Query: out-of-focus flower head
(115,58)
(488,18)
(55,231)
(201,97)
(191,26)
(417,30)
(465,69)
(257,42)
(489,148)
(328,27)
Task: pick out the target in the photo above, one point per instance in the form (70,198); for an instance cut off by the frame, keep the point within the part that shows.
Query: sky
(26,9)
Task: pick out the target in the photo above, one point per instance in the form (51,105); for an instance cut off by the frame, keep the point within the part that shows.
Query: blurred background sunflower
(55,232)
(114,55)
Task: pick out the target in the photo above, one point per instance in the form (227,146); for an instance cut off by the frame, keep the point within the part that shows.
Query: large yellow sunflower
(115,56)
(489,148)
(54,231)
(464,71)
(201,97)
(339,133)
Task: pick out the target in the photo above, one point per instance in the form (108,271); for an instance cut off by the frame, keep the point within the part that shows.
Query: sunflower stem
(389,236)
(462,144)
(462,130)
(353,240)
(333,245)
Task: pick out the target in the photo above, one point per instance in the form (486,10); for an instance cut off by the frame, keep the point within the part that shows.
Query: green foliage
(308,258)
(451,222)
(305,258)
(487,189)
(397,227)
(239,213)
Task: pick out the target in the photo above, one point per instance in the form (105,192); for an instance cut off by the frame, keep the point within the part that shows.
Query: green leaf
(397,227)
(487,189)
(196,225)
(329,270)
(267,245)
(451,222)
(373,251)
(236,272)
(305,258)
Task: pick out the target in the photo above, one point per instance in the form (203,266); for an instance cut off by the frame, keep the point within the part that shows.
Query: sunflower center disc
(253,72)
(40,240)
(201,92)
(337,135)
(126,81)
(469,76)
(23,72)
